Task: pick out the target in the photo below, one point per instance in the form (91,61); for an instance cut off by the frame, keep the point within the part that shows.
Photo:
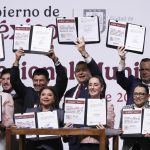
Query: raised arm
(122,80)
(61,75)
(92,65)
(15,80)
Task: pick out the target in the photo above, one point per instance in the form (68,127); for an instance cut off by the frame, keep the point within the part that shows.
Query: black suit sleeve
(123,81)
(95,71)
(16,82)
(61,81)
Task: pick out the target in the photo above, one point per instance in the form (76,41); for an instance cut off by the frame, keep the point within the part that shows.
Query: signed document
(2,54)
(66,29)
(146,121)
(96,111)
(69,29)
(116,33)
(22,37)
(135,38)
(41,39)
(47,120)
(74,110)
(88,27)
(26,120)
(132,121)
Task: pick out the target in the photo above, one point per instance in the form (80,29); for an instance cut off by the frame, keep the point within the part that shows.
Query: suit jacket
(74,141)
(47,143)
(29,95)
(128,84)
(93,67)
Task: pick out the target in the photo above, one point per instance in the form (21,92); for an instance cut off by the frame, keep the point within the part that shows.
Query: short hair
(144,86)
(81,63)
(145,60)
(5,71)
(41,71)
(52,88)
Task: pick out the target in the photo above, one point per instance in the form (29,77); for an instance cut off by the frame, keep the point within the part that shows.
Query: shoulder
(32,110)
(128,106)
(70,90)
(6,97)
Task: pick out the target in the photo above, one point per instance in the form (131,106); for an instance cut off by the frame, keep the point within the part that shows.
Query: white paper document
(74,111)
(26,120)
(146,121)
(47,120)
(96,111)
(116,33)
(1,48)
(88,27)
(22,37)
(67,29)
(135,38)
(131,121)
(41,39)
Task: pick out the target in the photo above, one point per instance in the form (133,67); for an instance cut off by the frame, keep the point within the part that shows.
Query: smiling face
(140,96)
(95,87)
(39,82)
(5,81)
(82,73)
(47,98)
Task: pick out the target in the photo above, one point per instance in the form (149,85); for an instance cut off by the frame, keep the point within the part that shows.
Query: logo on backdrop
(101,13)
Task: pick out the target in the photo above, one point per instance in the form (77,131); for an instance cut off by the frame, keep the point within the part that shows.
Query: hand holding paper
(19,53)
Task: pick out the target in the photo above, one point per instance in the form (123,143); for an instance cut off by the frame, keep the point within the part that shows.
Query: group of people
(18,98)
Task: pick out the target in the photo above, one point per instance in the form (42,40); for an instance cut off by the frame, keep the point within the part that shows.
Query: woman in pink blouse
(7,115)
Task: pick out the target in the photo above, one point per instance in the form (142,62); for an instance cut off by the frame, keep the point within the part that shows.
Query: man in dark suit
(128,83)
(40,79)
(83,71)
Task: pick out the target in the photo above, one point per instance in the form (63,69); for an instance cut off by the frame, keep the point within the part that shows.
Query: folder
(130,36)
(69,29)
(33,39)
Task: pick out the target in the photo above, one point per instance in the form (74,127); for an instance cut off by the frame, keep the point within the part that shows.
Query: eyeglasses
(139,94)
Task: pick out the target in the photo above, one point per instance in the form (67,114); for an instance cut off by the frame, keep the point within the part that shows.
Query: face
(82,73)
(39,82)
(47,98)
(5,81)
(145,71)
(94,87)
(140,96)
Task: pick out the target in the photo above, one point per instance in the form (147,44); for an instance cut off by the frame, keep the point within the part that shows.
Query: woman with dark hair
(48,101)
(140,99)
(95,88)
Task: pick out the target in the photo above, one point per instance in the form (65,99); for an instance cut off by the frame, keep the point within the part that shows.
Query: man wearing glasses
(128,83)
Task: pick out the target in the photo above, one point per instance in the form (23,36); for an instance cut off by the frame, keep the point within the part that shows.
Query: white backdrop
(44,12)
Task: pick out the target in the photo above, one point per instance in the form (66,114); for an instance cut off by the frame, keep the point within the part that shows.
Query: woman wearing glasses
(140,98)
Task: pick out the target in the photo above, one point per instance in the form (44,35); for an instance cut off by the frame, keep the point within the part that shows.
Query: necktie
(78,92)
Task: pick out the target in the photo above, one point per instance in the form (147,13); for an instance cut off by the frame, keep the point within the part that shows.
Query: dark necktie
(79,91)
